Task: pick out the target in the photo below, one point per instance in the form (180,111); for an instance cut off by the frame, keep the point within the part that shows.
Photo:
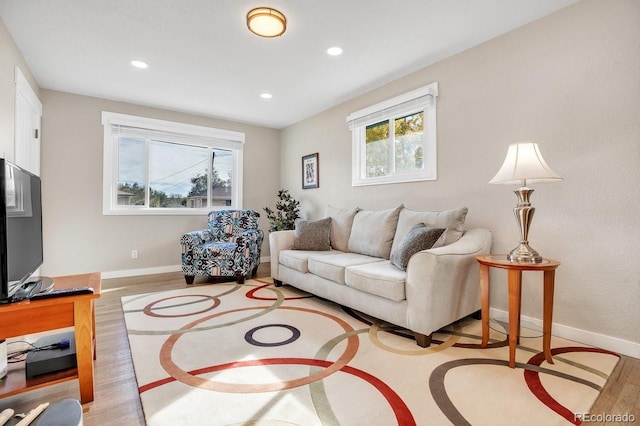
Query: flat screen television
(20,231)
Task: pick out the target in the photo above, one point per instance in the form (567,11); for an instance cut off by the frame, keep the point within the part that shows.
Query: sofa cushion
(332,267)
(341,223)
(452,220)
(312,235)
(379,278)
(299,259)
(373,231)
(420,237)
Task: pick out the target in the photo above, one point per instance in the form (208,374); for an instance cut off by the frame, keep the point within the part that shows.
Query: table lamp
(524,164)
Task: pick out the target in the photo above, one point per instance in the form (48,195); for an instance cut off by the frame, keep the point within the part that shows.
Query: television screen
(20,226)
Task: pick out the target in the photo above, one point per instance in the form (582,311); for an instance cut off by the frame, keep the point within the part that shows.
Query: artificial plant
(286,212)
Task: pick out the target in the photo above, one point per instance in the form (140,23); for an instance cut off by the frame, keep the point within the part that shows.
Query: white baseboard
(590,338)
(142,271)
(154,270)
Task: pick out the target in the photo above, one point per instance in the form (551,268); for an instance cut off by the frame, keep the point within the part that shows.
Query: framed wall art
(310,178)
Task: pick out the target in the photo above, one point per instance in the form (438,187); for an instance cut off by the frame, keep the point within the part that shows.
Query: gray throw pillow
(452,220)
(420,237)
(312,235)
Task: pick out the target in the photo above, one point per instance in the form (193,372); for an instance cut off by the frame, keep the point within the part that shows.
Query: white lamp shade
(524,162)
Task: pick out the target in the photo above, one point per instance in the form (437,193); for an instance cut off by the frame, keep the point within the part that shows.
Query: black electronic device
(61,357)
(20,232)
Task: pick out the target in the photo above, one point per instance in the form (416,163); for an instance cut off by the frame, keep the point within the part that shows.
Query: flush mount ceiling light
(266,22)
(334,51)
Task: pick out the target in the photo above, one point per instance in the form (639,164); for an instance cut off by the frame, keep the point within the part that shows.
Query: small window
(395,141)
(160,167)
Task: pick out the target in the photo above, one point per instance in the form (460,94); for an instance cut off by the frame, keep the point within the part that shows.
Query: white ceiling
(203,60)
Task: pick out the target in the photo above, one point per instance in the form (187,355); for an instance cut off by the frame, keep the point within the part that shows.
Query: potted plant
(286,212)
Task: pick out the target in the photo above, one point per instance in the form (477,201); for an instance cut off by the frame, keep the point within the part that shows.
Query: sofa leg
(278,283)
(254,271)
(423,340)
(477,315)
(189,279)
(240,278)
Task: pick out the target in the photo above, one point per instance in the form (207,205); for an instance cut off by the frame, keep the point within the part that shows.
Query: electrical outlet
(134,254)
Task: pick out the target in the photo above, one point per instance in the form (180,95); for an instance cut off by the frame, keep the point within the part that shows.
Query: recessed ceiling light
(139,64)
(266,96)
(334,51)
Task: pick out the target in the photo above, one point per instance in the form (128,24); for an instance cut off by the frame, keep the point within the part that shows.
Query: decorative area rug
(254,354)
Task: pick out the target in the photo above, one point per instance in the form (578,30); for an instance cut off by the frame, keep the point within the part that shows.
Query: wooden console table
(514,271)
(28,317)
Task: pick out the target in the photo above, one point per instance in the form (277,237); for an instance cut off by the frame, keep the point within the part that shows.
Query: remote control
(61,292)
(31,415)
(5,416)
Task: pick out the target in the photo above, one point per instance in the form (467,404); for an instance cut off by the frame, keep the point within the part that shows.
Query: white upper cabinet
(27,127)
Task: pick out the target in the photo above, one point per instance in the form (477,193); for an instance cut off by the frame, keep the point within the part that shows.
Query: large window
(161,167)
(395,141)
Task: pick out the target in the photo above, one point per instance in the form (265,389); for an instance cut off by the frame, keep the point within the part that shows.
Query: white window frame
(193,135)
(422,99)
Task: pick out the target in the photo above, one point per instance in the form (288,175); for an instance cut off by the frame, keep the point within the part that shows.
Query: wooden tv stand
(28,317)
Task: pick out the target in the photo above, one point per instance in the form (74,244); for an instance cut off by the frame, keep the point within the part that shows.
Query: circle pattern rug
(256,354)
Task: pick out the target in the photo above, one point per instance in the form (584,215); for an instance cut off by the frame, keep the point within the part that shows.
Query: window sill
(162,212)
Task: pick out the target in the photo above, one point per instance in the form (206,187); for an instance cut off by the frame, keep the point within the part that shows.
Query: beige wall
(77,236)
(571,82)
(10,56)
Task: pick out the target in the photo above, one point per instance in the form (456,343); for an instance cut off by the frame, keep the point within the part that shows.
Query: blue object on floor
(67,412)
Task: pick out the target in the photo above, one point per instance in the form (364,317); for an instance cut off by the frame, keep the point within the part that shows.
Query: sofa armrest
(279,240)
(472,242)
(443,284)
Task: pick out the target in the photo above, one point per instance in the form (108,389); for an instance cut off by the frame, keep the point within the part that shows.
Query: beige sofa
(356,265)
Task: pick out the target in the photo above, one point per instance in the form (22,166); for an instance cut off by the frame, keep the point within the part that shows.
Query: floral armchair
(230,246)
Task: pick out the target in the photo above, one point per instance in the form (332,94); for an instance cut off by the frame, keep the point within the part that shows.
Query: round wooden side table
(514,278)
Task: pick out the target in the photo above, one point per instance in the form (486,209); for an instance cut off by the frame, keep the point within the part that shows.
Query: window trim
(210,137)
(421,99)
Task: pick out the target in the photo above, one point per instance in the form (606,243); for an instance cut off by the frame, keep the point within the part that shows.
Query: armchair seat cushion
(215,249)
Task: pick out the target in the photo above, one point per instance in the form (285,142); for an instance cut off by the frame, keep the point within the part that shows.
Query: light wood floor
(116,397)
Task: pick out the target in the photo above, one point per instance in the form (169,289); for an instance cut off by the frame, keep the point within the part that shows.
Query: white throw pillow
(373,231)
(341,223)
